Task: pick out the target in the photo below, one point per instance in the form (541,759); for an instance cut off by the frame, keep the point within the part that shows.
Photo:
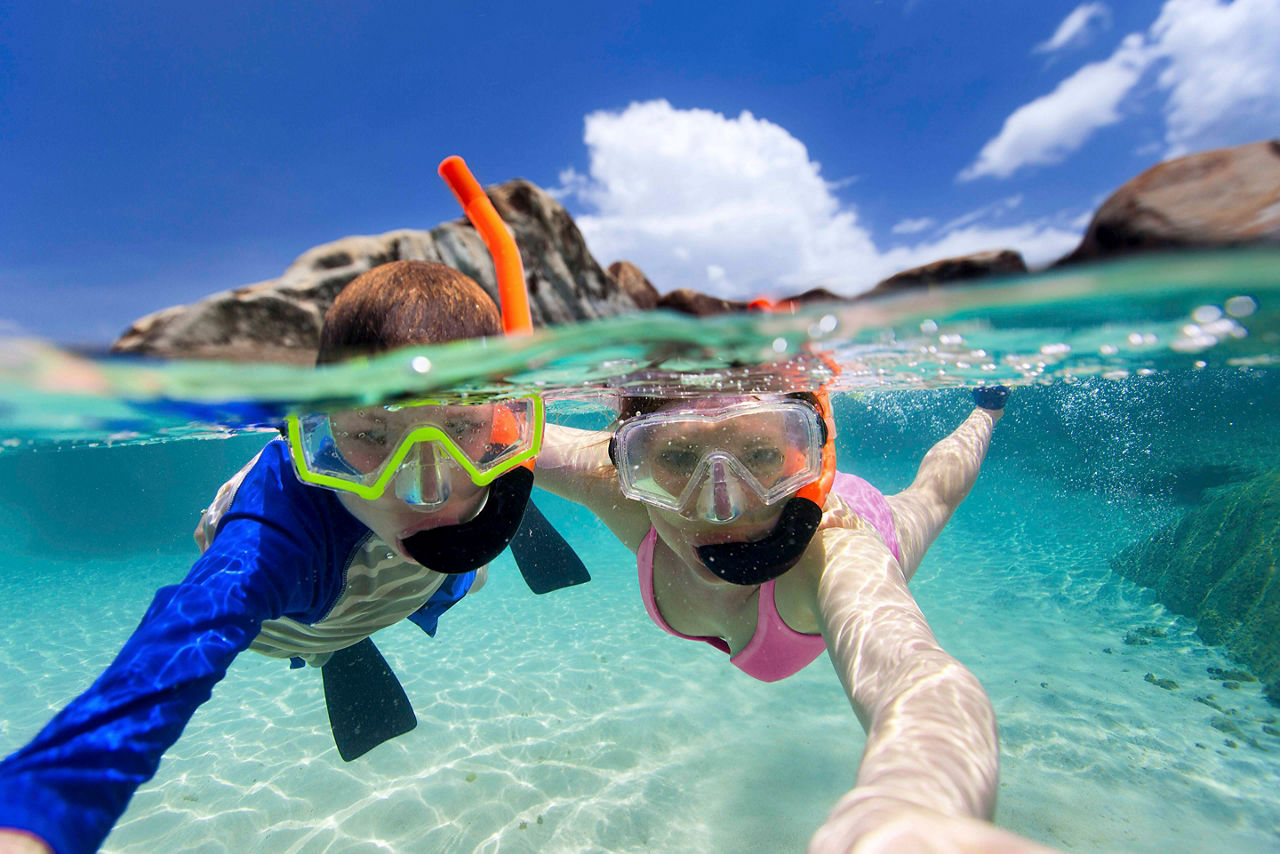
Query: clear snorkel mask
(710,474)
(714,464)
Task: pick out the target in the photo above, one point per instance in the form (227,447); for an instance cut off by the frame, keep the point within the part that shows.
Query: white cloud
(715,203)
(914,226)
(1053,126)
(1216,63)
(1076,28)
(995,209)
(735,207)
(1222,73)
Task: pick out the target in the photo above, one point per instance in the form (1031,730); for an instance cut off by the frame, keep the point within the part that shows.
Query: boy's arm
(945,477)
(71,783)
(574,464)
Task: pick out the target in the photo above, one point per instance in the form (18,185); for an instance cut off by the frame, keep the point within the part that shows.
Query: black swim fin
(546,561)
(366,704)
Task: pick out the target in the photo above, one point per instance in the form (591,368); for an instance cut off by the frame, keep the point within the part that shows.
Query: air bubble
(1206,314)
(1241,306)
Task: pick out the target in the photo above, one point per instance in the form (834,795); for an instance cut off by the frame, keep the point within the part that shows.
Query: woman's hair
(403,304)
(629,406)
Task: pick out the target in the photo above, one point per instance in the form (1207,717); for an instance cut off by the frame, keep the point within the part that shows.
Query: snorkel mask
(416,448)
(711,464)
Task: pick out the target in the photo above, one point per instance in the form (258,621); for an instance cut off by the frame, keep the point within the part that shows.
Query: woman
(748,539)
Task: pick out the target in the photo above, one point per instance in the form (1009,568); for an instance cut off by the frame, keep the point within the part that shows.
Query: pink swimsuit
(776,650)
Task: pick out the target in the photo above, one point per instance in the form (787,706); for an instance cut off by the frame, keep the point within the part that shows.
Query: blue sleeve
(273,556)
(449,594)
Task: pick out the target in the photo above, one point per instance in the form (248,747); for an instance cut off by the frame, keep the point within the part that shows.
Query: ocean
(1142,392)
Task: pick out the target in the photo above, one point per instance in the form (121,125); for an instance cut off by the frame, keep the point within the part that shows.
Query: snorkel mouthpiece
(753,563)
(455,549)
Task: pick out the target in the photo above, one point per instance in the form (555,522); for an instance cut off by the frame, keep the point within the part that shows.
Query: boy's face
(393,519)
(430,490)
(407,468)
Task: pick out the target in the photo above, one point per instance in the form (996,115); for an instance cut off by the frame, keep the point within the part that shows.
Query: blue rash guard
(282,550)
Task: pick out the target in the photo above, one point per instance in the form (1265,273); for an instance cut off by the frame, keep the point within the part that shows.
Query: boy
(360,519)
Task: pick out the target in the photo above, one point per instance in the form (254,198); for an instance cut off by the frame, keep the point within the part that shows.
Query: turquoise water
(568,722)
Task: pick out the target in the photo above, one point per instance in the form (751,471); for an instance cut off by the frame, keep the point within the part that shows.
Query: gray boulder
(979,265)
(279,320)
(1220,198)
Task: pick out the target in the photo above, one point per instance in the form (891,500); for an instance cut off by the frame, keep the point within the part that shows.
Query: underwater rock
(280,319)
(1233,675)
(979,265)
(1218,566)
(1224,197)
(1209,701)
(1166,684)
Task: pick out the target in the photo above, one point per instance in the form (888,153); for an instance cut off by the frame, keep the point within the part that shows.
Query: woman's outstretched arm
(928,775)
(931,731)
(944,478)
(574,464)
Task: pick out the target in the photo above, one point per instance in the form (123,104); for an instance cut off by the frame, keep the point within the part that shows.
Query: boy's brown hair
(404,304)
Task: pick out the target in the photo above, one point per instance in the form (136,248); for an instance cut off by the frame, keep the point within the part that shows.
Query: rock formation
(979,265)
(1217,198)
(280,320)
(1226,197)
(689,301)
(1218,566)
(635,284)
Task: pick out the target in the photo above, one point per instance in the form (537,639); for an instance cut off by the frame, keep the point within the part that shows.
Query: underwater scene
(1110,580)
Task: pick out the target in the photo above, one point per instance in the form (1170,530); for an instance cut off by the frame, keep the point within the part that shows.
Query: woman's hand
(870,825)
(21,842)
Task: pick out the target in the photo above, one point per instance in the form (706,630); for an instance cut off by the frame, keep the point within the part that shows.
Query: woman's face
(719,465)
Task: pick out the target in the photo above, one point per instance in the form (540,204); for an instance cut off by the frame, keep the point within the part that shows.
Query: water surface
(568,722)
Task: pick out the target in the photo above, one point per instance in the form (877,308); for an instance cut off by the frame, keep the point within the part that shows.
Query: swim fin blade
(545,559)
(366,703)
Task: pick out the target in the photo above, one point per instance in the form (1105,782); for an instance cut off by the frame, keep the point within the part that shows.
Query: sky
(155,152)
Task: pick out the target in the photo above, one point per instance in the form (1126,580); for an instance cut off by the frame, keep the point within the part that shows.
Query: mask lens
(363,450)
(705,463)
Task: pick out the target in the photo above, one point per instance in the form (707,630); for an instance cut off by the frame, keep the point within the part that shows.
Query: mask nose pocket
(722,496)
(423,478)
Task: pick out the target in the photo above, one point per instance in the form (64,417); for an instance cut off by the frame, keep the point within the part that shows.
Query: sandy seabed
(569,723)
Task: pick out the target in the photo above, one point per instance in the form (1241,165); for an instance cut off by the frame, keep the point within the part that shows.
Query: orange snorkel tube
(512,294)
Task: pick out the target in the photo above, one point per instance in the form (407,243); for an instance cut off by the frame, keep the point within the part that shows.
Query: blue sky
(154,152)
